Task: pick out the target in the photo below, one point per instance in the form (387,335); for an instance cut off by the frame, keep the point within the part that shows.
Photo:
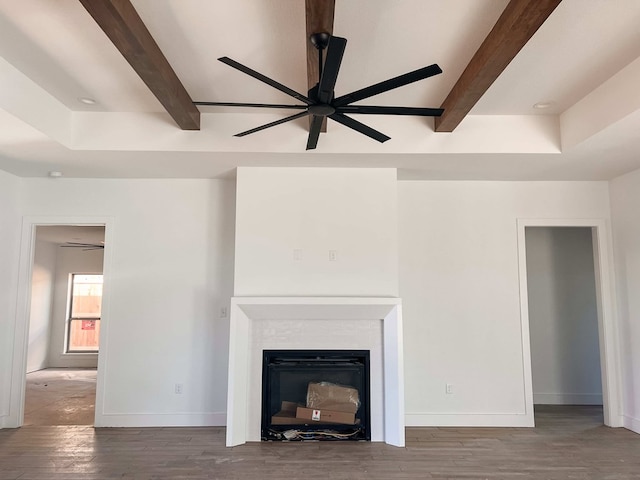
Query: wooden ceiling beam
(319,18)
(516,25)
(126,30)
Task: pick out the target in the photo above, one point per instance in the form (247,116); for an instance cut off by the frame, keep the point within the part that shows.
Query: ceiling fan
(84,246)
(320,103)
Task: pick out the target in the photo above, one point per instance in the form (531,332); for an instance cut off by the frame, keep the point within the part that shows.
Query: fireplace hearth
(315,395)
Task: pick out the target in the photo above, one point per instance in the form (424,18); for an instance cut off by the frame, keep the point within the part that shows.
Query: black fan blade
(314,132)
(273,124)
(359,127)
(257,105)
(387,85)
(267,80)
(371,110)
(327,83)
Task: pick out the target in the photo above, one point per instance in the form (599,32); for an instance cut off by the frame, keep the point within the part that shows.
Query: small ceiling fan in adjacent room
(321,102)
(84,246)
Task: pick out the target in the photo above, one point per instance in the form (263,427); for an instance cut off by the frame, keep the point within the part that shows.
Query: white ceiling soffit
(583,60)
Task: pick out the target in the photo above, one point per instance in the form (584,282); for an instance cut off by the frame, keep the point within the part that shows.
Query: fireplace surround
(358,323)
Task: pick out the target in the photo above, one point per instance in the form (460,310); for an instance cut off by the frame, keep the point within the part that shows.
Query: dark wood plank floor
(569,443)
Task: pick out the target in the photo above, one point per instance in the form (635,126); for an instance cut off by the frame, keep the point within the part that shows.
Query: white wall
(168,273)
(563,316)
(625,200)
(460,291)
(169,270)
(69,260)
(10,200)
(42,280)
(315,210)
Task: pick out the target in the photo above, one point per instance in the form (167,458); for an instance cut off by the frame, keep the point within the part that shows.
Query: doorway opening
(568,329)
(563,322)
(64,325)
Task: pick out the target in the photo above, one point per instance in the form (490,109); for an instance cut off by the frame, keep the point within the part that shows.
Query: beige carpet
(60,396)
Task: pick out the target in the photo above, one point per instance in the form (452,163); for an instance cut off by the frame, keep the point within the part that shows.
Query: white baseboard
(216,419)
(468,420)
(219,419)
(631,423)
(567,398)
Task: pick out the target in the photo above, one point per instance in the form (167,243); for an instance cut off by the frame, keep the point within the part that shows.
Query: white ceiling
(60,234)
(585,60)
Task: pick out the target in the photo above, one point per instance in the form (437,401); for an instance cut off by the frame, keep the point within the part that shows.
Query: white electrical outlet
(333,255)
(178,389)
(223,312)
(449,389)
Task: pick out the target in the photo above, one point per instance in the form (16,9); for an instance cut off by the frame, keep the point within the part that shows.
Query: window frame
(70,318)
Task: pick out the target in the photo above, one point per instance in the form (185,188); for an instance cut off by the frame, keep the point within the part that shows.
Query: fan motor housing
(321,109)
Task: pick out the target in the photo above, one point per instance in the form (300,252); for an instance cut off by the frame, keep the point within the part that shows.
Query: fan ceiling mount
(321,103)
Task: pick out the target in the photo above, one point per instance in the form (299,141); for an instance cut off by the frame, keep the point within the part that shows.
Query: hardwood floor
(568,443)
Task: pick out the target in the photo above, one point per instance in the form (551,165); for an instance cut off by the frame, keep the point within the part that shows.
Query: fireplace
(315,395)
(315,323)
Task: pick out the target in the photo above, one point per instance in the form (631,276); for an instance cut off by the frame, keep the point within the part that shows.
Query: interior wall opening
(563,321)
(64,325)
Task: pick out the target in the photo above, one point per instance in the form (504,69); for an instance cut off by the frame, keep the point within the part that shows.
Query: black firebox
(286,379)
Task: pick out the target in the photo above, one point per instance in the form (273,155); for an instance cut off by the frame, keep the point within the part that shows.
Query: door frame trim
(23,310)
(607,320)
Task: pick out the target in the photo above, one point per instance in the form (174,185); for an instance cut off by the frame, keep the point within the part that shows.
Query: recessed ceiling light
(542,105)
(55,174)
(87,100)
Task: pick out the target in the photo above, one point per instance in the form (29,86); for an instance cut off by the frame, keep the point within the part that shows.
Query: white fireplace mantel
(311,315)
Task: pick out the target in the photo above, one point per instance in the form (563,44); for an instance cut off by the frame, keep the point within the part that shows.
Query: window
(85,305)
